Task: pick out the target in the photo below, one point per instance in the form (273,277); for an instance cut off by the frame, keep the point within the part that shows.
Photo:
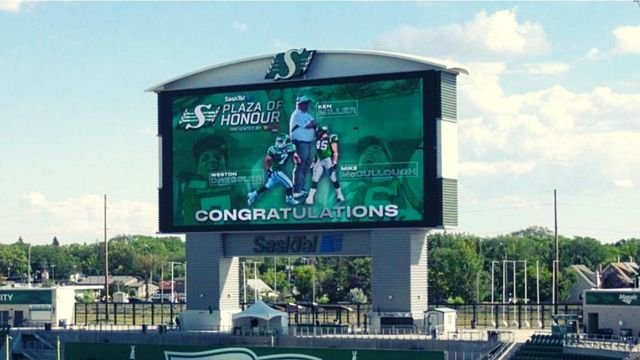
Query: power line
(523,206)
(599,206)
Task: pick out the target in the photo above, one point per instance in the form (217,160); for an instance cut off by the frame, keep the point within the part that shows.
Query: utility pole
(29,266)
(557,261)
(106,263)
(526,295)
(514,298)
(538,290)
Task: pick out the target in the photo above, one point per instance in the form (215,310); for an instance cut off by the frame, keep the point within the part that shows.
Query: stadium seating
(548,347)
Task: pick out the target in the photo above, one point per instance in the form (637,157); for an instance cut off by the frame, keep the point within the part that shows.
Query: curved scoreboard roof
(327,64)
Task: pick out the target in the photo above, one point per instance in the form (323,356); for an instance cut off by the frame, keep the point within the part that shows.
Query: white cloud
(548,68)
(627,39)
(240,26)
(479,168)
(624,183)
(84,216)
(280,45)
(594,54)
(499,33)
(10,5)
(595,131)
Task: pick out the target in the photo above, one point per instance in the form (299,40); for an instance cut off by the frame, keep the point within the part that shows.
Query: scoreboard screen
(341,154)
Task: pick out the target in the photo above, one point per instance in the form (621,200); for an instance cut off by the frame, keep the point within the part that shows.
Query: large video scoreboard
(230,157)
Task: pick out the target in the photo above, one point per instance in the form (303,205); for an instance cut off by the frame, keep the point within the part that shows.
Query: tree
(451,264)
(55,242)
(627,249)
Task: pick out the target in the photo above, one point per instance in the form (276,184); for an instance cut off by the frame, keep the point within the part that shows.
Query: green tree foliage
(454,263)
(125,254)
(453,258)
(459,264)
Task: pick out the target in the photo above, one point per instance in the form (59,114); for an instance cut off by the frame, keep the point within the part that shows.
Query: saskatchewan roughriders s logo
(232,354)
(287,65)
(204,114)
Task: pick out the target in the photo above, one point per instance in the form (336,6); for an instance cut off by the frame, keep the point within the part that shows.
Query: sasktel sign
(297,244)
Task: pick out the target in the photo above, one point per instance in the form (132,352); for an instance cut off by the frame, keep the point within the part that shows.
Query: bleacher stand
(549,347)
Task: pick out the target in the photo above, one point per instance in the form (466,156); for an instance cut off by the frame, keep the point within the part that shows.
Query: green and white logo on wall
(613,298)
(290,64)
(27,297)
(233,354)
(95,351)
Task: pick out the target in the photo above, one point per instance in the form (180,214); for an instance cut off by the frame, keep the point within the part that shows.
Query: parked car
(161,298)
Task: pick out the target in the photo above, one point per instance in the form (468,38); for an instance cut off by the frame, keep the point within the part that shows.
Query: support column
(399,275)
(212,291)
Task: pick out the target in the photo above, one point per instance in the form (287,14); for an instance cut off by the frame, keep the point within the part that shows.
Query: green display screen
(353,154)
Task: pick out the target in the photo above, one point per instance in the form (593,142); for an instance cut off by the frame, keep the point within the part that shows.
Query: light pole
(162,283)
(313,290)
(53,273)
(172,283)
(244,283)
(255,283)
(275,273)
(150,270)
(493,283)
(7,346)
(289,273)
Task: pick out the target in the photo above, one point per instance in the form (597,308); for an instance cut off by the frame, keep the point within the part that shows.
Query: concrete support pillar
(212,292)
(399,274)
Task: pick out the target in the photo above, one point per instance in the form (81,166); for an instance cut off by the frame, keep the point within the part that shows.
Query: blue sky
(552,102)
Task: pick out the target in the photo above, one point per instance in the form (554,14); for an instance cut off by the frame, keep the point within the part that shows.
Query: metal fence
(127,313)
(353,316)
(498,315)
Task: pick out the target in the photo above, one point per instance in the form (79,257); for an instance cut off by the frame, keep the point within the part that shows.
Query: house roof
(625,272)
(178,285)
(127,280)
(258,284)
(586,274)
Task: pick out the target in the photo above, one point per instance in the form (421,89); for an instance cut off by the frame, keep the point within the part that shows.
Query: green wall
(93,351)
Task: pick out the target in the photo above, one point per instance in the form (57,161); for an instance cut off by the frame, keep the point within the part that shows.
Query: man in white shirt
(302,131)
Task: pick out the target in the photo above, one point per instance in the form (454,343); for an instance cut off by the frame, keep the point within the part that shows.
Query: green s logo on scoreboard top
(292,63)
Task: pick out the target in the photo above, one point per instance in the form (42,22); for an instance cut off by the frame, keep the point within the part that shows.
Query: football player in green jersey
(386,190)
(326,160)
(196,192)
(275,163)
